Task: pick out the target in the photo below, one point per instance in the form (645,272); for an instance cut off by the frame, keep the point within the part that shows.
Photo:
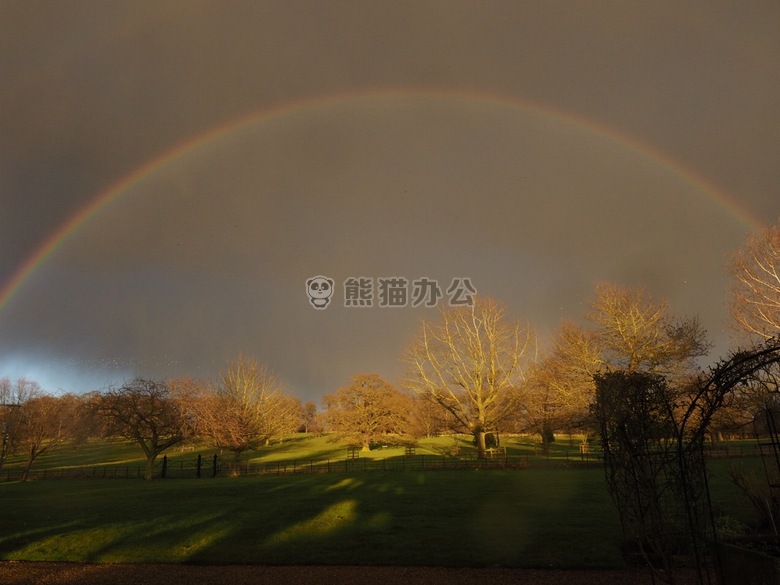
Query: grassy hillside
(543,515)
(302,447)
(537,517)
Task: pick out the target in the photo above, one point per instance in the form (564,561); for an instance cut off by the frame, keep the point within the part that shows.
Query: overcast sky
(533,148)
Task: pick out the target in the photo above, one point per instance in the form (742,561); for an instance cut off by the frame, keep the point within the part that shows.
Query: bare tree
(635,333)
(755,288)
(310,418)
(88,421)
(247,409)
(428,418)
(12,396)
(629,332)
(19,391)
(5,390)
(44,422)
(368,409)
(144,411)
(561,386)
(472,362)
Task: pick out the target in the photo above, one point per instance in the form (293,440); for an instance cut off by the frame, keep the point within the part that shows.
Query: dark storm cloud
(208,256)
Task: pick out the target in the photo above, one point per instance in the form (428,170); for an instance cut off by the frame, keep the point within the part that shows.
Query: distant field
(544,515)
(104,458)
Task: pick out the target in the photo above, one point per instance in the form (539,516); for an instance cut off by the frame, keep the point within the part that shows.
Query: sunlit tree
(145,412)
(13,394)
(561,388)
(310,418)
(754,303)
(472,362)
(247,408)
(626,330)
(428,418)
(635,333)
(44,422)
(755,284)
(367,410)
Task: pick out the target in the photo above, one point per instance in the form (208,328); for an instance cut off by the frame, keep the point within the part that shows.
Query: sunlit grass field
(302,448)
(545,515)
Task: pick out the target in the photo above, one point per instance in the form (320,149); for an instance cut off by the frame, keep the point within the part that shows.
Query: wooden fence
(212,466)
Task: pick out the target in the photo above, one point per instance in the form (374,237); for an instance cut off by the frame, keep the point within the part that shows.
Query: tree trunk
(149,471)
(28,464)
(235,464)
(480,436)
(548,437)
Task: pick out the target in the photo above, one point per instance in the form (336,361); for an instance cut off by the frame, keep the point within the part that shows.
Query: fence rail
(209,466)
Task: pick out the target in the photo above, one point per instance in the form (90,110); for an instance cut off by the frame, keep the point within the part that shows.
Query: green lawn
(531,518)
(125,458)
(544,515)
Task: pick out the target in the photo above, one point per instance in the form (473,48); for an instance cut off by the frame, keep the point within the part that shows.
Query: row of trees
(470,370)
(31,417)
(245,409)
(475,371)
(487,374)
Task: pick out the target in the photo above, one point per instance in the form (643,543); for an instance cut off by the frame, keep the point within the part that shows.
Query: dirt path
(24,573)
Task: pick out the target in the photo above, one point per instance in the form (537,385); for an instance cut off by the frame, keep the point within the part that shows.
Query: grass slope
(540,516)
(532,518)
(301,448)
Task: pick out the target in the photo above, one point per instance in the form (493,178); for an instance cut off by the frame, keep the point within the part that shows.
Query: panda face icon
(319,290)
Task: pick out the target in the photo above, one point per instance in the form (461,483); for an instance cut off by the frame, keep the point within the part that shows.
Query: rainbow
(65,231)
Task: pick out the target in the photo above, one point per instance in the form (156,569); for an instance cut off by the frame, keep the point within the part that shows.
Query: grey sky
(523,145)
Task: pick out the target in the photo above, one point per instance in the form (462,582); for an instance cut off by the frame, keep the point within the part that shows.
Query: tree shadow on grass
(530,518)
(302,449)
(510,518)
(32,544)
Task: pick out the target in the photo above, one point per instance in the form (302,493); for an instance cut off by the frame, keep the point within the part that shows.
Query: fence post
(214,468)
(164,467)
(197,469)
